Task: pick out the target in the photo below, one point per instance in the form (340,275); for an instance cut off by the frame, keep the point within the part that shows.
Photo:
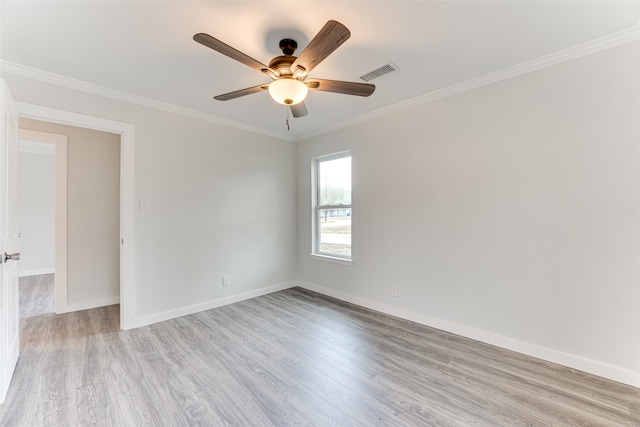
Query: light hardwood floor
(36,295)
(291,358)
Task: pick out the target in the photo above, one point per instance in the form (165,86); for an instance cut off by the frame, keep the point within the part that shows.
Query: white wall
(222,203)
(36,212)
(510,213)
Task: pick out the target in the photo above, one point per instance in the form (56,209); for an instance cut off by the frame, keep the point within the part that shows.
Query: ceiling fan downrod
(288,46)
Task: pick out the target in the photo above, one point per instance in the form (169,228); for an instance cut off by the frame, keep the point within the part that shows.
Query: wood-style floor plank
(341,384)
(36,295)
(289,358)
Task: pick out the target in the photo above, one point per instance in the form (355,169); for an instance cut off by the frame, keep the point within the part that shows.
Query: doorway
(91,270)
(126,192)
(41,219)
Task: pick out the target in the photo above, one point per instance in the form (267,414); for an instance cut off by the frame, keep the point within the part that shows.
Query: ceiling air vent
(385,70)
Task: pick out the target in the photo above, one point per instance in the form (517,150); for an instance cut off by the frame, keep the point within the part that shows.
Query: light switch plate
(144,203)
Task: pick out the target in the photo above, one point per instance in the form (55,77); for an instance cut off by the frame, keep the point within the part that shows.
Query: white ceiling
(145,48)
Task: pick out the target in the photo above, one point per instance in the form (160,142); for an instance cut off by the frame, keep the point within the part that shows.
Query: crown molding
(59,80)
(594,46)
(597,45)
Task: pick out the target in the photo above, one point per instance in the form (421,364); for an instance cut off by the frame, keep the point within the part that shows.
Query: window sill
(334,260)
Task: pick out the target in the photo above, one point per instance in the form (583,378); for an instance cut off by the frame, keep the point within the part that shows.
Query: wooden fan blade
(227,50)
(349,88)
(241,92)
(330,37)
(299,110)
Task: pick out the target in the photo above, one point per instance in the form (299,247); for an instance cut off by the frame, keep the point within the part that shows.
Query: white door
(9,255)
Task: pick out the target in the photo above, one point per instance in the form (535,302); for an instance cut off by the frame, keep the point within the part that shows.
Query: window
(332,206)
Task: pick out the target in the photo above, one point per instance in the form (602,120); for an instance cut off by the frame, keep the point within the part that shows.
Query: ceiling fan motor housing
(282,65)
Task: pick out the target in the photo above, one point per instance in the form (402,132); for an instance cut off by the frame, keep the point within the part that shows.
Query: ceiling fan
(289,73)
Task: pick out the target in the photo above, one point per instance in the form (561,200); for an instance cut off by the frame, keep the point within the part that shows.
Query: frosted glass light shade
(288,91)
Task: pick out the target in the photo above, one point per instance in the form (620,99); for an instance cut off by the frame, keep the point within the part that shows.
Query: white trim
(56,79)
(36,272)
(87,305)
(594,46)
(335,260)
(60,222)
(196,308)
(35,147)
(127,202)
(571,360)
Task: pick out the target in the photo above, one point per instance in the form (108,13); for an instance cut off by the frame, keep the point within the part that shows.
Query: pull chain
(287,119)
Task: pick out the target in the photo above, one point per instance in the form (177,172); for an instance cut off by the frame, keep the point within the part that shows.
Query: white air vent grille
(385,70)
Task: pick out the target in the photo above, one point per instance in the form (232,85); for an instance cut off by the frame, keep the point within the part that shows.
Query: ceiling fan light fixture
(288,91)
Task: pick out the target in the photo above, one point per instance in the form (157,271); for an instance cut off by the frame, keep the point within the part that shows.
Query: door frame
(127,194)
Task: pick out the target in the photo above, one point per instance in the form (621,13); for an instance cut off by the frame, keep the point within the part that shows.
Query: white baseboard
(570,360)
(185,311)
(36,272)
(87,305)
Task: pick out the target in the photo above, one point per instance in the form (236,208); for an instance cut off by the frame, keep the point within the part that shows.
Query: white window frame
(316,208)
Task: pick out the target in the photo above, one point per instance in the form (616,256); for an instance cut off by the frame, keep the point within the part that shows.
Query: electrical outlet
(226,281)
(394,291)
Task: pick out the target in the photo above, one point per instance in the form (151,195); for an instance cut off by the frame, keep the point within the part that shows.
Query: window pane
(335,231)
(334,178)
